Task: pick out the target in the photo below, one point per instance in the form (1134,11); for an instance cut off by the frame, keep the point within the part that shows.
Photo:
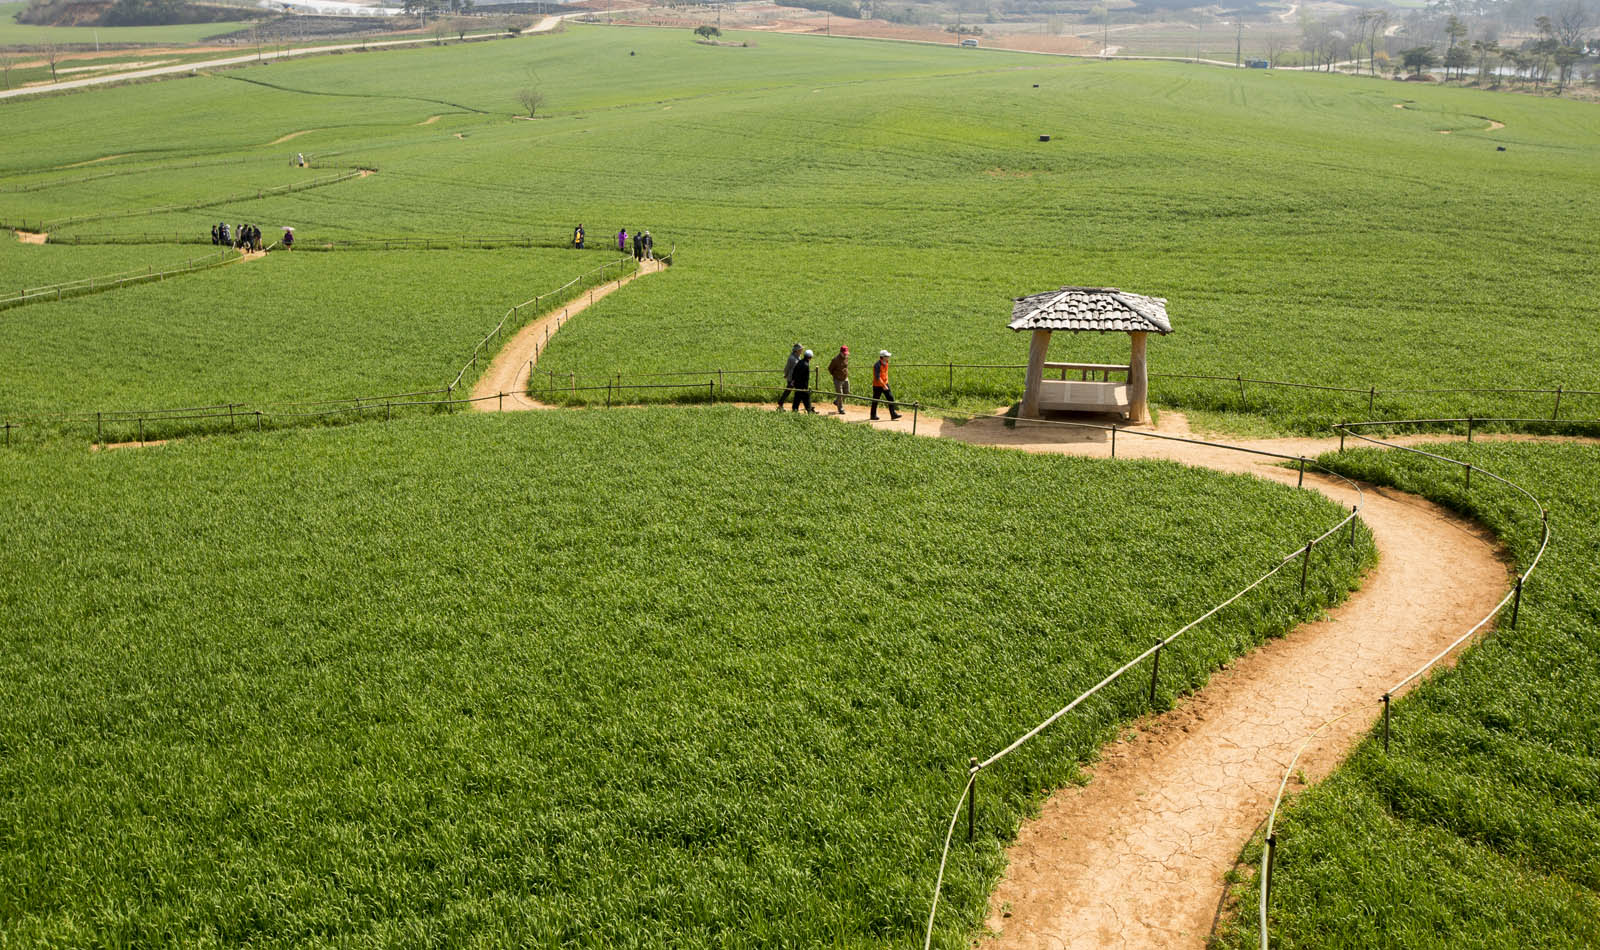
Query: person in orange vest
(880,387)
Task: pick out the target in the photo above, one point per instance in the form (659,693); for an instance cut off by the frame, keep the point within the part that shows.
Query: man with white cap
(788,375)
(800,382)
(880,387)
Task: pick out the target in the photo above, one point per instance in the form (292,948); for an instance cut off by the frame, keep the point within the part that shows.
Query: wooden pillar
(1138,383)
(1030,393)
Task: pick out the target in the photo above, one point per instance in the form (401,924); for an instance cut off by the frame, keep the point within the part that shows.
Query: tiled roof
(1105,309)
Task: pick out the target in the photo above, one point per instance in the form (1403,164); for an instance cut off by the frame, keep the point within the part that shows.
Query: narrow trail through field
(33,237)
(1136,858)
(508,372)
(292,136)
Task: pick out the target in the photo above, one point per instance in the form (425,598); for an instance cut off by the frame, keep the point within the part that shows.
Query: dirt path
(1136,858)
(33,237)
(292,136)
(508,373)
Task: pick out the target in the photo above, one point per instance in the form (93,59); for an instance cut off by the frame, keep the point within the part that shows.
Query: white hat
(808,354)
(884,353)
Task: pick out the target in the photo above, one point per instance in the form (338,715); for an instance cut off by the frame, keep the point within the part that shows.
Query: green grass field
(290,327)
(1301,227)
(1481,826)
(706,677)
(489,680)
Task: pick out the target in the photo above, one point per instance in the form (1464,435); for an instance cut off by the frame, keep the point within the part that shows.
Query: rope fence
(1513,599)
(89,285)
(1239,381)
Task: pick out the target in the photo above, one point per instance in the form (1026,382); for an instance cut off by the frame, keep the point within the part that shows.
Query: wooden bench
(1085,394)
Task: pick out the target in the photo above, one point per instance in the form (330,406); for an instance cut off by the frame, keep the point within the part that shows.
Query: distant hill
(131,13)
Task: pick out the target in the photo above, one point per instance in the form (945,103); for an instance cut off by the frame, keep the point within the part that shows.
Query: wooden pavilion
(1097,309)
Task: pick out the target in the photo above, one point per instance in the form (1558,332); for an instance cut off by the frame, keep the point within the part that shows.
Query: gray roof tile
(1103,309)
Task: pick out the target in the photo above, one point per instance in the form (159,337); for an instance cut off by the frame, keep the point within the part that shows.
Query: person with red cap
(839,369)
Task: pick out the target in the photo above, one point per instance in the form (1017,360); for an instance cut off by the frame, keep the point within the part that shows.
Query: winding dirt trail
(1136,857)
(507,375)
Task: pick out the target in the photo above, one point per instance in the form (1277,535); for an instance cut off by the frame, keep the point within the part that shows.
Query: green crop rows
(488,679)
(1481,826)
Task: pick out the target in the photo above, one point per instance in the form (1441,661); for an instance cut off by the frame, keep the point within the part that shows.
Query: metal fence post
(915,408)
(711,389)
(1155,672)
(1353,509)
(258,420)
(141,430)
(1469,477)
(1305,567)
(99,432)
(1386,722)
(1516,603)
(1240,378)
(1113,441)
(1556,413)
(1341,438)
(1272,861)
(951,385)
(972,799)
(1302,481)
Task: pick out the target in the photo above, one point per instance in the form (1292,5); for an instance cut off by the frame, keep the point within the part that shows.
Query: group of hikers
(797,381)
(644,246)
(245,237)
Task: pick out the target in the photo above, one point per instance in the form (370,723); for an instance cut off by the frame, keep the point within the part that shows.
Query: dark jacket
(800,376)
(839,366)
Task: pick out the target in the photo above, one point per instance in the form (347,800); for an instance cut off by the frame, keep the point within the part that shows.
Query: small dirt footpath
(507,375)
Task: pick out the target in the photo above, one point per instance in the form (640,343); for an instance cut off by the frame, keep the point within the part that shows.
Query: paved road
(544,26)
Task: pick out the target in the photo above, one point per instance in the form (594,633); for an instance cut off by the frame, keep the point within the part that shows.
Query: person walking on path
(788,375)
(288,239)
(622,241)
(839,369)
(638,246)
(649,246)
(880,387)
(577,237)
(800,382)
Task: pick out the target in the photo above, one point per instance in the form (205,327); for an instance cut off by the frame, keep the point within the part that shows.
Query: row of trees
(1560,41)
